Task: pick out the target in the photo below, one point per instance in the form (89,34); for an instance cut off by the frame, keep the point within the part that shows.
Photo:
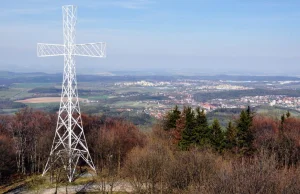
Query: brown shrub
(259,174)
(110,142)
(265,131)
(191,170)
(146,166)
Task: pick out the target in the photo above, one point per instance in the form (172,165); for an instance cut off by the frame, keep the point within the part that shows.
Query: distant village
(181,92)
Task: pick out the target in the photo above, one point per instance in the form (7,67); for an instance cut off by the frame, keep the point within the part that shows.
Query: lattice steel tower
(69,143)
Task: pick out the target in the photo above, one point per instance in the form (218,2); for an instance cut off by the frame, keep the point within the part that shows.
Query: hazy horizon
(212,37)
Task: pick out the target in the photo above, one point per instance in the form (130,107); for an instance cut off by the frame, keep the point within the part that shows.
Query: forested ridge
(182,153)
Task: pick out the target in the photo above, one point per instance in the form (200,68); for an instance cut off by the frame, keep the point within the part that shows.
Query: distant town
(181,92)
(151,95)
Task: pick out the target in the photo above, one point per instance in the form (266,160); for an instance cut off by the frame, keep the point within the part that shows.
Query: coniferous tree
(288,114)
(188,132)
(282,119)
(231,136)
(190,118)
(201,119)
(171,118)
(201,132)
(217,136)
(244,133)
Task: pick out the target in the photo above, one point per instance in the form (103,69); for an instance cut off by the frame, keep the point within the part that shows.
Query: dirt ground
(121,186)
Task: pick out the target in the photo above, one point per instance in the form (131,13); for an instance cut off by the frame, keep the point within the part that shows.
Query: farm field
(137,96)
(44,100)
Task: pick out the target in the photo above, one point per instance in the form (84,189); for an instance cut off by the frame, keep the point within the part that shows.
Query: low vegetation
(183,153)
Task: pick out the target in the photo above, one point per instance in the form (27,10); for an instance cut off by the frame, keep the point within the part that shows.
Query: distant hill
(7,78)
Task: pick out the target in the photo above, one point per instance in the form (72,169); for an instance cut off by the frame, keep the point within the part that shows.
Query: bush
(259,174)
(191,170)
(146,167)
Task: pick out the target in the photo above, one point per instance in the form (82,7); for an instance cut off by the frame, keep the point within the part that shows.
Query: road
(120,186)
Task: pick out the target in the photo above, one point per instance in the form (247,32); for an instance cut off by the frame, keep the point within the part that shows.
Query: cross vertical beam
(69,23)
(69,143)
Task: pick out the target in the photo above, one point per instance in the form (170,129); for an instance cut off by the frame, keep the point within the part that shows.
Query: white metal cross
(69,143)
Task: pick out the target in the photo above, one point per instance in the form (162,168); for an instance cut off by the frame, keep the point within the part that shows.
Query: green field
(276,112)
(95,97)
(32,85)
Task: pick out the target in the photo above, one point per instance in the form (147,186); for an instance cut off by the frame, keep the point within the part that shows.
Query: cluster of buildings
(269,100)
(223,87)
(143,83)
(275,100)
(181,92)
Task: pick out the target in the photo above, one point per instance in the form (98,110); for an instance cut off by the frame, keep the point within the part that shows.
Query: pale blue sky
(217,36)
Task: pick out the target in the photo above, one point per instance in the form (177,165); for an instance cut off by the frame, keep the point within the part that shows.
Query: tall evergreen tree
(188,132)
(201,132)
(201,119)
(282,119)
(171,118)
(288,114)
(244,133)
(217,136)
(230,136)
(190,118)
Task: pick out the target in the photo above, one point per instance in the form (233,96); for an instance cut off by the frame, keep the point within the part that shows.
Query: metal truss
(87,50)
(49,50)
(91,49)
(69,144)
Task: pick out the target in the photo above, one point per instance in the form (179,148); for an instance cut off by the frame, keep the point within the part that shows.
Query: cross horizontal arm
(49,50)
(91,49)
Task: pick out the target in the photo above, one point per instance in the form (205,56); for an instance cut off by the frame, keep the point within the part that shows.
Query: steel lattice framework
(69,143)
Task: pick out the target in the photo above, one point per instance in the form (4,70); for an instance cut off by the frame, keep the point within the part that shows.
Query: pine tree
(288,114)
(171,118)
(217,136)
(188,132)
(244,133)
(230,136)
(201,119)
(201,132)
(282,119)
(190,118)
